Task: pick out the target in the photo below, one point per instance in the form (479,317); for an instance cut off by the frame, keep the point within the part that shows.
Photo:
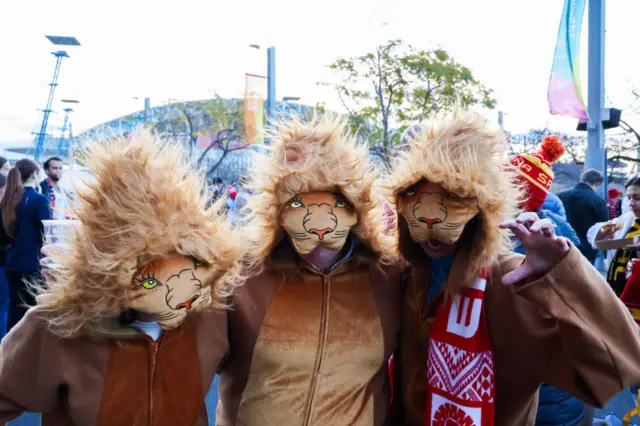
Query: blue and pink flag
(564,94)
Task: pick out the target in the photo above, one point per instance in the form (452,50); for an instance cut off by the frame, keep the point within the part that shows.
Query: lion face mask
(434,214)
(317,219)
(170,288)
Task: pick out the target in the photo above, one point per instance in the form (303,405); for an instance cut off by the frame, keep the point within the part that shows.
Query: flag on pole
(254,108)
(564,93)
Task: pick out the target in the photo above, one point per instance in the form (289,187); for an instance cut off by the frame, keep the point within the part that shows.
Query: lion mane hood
(464,154)
(318,155)
(145,202)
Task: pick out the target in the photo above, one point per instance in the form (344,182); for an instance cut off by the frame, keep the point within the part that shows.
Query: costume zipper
(152,376)
(324,319)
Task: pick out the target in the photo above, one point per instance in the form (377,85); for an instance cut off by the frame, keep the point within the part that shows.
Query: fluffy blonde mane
(317,155)
(468,157)
(145,203)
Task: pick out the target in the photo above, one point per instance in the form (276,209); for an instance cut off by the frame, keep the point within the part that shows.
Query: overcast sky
(193,49)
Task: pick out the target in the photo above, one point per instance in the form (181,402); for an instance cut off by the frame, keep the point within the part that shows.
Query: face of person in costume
(170,288)
(317,219)
(435,216)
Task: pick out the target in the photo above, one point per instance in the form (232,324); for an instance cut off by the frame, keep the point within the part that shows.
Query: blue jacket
(553,203)
(563,229)
(24,253)
(556,407)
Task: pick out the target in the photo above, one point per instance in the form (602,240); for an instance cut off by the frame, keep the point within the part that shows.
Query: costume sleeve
(28,369)
(599,350)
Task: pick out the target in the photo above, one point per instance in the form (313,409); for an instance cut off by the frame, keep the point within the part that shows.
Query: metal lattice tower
(40,136)
(64,145)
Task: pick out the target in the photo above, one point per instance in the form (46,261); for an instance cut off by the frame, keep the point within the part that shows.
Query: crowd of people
(454,288)
(25,202)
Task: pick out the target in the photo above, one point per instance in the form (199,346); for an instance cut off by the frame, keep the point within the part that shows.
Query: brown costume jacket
(566,328)
(311,348)
(104,381)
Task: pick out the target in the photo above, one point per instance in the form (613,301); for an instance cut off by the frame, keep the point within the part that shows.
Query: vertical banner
(254,108)
(564,94)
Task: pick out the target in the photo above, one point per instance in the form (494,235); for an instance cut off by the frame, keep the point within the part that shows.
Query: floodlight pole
(60,55)
(271,82)
(595,155)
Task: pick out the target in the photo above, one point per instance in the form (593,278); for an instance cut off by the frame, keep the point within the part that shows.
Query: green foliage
(189,119)
(386,90)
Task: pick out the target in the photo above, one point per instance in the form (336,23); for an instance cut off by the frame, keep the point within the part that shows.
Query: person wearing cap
(614,205)
(555,407)
(536,176)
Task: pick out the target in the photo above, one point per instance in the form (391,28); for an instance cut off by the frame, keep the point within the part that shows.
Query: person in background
(5,166)
(624,226)
(553,204)
(614,203)
(4,285)
(22,211)
(59,200)
(585,208)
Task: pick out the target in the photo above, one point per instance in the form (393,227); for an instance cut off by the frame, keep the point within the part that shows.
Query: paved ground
(619,406)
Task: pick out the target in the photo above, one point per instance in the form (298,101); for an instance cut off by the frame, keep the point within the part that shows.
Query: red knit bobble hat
(233,193)
(535,170)
(614,193)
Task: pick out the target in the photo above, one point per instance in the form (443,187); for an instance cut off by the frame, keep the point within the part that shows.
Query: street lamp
(271,78)
(64,126)
(60,55)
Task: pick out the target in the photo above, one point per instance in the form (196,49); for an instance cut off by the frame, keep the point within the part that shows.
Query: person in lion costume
(483,328)
(314,326)
(130,326)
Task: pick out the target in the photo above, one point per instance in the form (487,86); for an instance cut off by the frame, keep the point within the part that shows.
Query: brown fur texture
(145,203)
(318,155)
(464,154)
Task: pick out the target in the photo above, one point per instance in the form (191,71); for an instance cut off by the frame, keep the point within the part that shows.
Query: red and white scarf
(460,374)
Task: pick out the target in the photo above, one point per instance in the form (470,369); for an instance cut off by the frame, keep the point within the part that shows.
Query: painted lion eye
(296,204)
(150,284)
(410,193)
(341,203)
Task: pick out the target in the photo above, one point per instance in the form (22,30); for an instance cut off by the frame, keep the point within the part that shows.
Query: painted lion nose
(320,232)
(187,304)
(430,222)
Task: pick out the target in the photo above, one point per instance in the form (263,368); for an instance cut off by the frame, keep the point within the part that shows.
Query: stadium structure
(220,148)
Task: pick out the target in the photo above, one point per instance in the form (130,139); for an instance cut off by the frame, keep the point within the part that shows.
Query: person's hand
(527,219)
(51,249)
(609,229)
(544,249)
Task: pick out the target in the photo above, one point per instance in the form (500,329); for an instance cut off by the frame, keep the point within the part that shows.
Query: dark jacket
(44,189)
(24,254)
(584,208)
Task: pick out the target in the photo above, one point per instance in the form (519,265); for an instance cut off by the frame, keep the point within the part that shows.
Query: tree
(528,142)
(385,90)
(220,120)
